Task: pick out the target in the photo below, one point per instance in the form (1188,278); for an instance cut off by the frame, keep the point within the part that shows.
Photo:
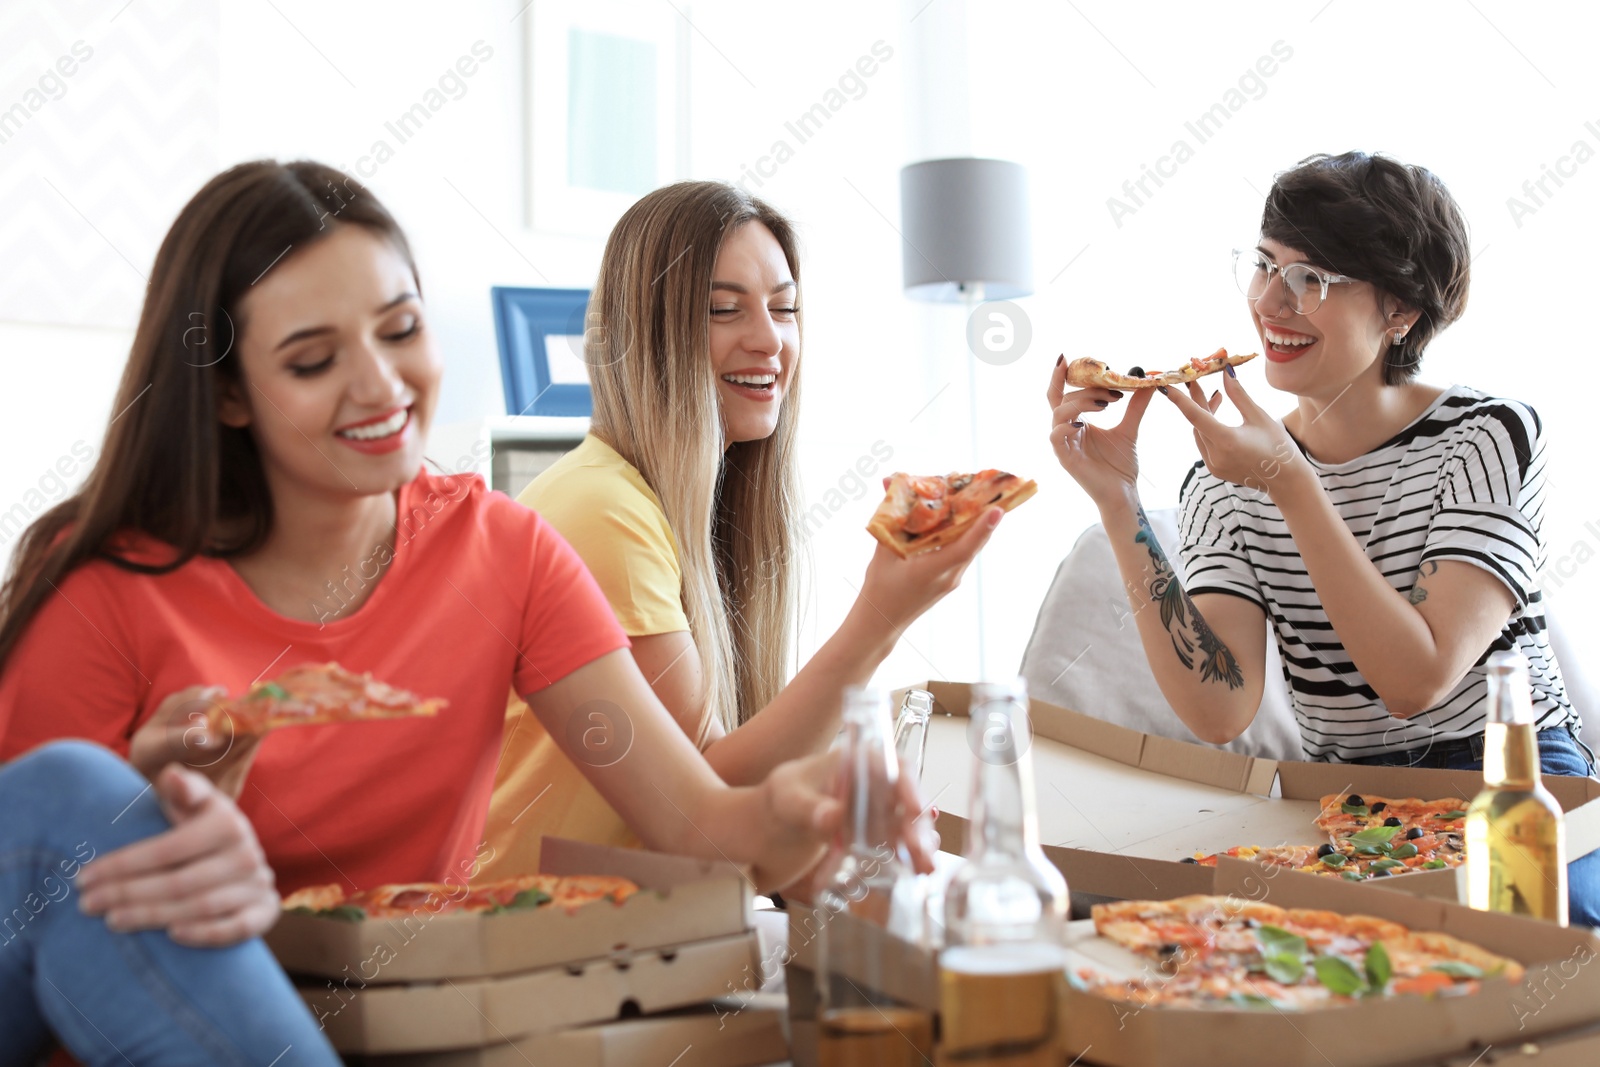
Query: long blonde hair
(733,512)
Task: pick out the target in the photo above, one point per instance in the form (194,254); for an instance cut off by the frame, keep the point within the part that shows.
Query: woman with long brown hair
(684,503)
(268,444)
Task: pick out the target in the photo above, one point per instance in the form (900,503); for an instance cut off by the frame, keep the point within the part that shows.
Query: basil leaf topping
(1456,814)
(1354,809)
(528,898)
(1374,835)
(1435,865)
(1285,970)
(1386,864)
(1339,975)
(1458,969)
(1378,968)
(269,689)
(1276,941)
(1334,860)
(1405,851)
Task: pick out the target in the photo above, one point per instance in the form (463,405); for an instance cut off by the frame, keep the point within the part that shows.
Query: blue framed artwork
(540,334)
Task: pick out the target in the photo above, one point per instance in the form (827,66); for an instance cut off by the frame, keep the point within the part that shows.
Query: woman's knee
(63,777)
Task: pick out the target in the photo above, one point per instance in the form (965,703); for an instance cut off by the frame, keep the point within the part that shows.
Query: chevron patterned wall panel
(108,123)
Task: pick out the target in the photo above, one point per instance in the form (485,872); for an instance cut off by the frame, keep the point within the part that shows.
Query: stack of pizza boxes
(1131,807)
(666,973)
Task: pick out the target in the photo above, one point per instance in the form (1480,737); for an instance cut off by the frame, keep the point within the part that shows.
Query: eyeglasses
(1305,285)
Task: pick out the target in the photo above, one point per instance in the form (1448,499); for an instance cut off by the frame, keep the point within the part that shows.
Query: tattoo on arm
(1428,569)
(1189,632)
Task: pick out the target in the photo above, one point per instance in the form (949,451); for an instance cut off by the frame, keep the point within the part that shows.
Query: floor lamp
(965,239)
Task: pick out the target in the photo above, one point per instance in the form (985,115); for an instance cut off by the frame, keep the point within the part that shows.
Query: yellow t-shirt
(602,505)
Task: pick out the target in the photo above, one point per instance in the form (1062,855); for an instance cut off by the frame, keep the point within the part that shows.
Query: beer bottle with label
(1516,837)
(870,885)
(1001,974)
(911,732)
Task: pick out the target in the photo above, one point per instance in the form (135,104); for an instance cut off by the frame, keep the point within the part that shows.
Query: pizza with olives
(1205,951)
(1086,372)
(1371,837)
(508,894)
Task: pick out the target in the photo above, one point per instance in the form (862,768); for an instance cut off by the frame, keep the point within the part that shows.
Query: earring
(1400,337)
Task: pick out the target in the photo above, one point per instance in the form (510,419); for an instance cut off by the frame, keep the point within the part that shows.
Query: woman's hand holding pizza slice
(1250,454)
(1104,461)
(181,731)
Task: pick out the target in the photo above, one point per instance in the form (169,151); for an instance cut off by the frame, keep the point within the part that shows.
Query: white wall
(1084,95)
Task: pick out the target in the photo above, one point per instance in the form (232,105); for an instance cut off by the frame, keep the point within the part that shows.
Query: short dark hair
(1385,222)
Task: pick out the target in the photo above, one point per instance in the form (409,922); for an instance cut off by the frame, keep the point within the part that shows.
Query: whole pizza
(1371,837)
(1216,951)
(437,898)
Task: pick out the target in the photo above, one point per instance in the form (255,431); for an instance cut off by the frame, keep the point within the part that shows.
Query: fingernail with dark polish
(1079,425)
(1117,393)
(1061,359)
(1101,403)
(1161,389)
(1231,372)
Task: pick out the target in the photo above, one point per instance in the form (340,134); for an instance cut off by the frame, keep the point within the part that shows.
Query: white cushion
(1579,682)
(1085,653)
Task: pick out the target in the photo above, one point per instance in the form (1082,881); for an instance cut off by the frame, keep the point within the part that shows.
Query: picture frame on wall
(541,336)
(607,108)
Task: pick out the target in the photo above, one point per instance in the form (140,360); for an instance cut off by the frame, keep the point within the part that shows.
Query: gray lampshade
(965,222)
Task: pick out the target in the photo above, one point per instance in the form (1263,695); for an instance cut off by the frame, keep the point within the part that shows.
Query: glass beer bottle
(1516,836)
(1001,974)
(858,1024)
(911,732)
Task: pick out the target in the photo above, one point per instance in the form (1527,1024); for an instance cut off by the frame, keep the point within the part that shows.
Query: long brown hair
(732,511)
(168,467)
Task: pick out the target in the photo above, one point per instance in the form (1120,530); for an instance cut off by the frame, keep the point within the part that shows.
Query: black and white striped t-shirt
(1465,481)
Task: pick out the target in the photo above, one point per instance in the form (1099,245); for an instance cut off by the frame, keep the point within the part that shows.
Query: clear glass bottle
(911,732)
(871,881)
(1516,834)
(1001,973)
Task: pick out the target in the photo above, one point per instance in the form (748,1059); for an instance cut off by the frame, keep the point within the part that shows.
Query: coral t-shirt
(481,595)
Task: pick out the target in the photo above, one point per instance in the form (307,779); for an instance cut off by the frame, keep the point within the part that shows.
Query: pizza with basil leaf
(311,694)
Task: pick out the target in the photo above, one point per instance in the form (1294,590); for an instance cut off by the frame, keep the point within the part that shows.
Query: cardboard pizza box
(681,900)
(474,1013)
(1559,992)
(693,1037)
(1119,809)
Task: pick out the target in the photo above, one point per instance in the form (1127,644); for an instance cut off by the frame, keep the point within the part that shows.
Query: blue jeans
(112,998)
(1560,753)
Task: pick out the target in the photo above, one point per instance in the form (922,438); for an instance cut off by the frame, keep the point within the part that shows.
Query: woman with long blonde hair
(684,503)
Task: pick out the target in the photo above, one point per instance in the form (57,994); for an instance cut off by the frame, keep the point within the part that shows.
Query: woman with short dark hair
(1389,530)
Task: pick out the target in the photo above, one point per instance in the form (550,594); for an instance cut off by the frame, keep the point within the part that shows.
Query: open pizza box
(1123,808)
(681,901)
(1555,1008)
(1558,993)
(693,1037)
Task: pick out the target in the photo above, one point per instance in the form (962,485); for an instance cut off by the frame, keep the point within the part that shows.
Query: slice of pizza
(1086,372)
(316,693)
(919,513)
